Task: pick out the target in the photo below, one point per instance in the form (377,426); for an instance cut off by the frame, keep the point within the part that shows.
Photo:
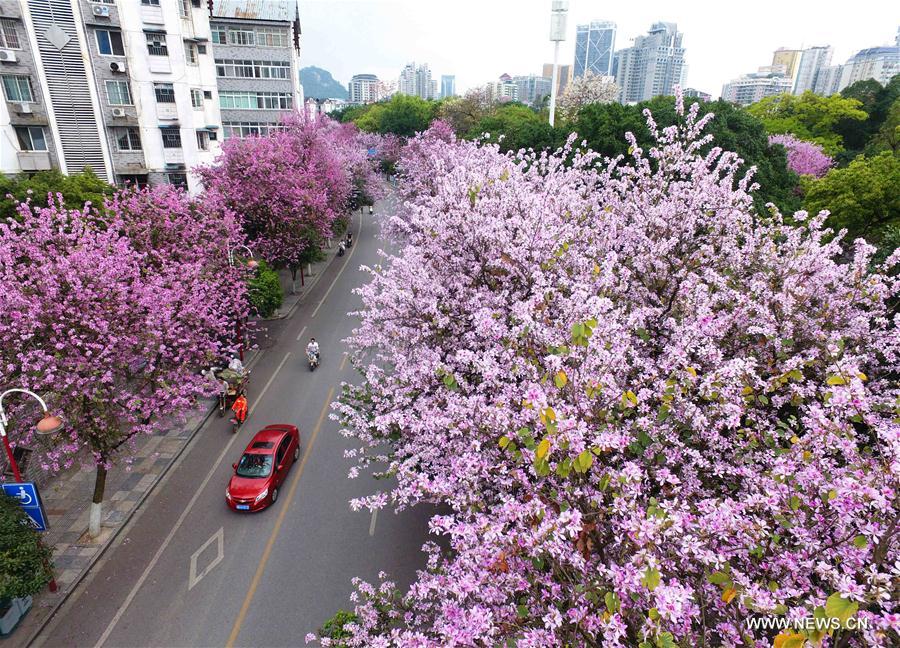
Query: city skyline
(398,31)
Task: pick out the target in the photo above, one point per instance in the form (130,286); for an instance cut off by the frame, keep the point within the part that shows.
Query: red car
(263,467)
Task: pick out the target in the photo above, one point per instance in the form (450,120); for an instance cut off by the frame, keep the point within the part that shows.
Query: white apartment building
(750,88)
(364,89)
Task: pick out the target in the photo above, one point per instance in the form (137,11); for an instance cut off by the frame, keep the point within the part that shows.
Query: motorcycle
(313,359)
(341,249)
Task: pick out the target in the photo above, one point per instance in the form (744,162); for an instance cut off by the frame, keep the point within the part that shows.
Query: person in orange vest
(240,409)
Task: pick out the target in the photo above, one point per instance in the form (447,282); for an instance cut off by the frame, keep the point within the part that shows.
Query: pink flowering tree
(804,158)
(650,416)
(290,187)
(112,318)
(587,89)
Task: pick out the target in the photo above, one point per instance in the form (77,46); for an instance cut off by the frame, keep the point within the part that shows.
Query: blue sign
(373,152)
(30,502)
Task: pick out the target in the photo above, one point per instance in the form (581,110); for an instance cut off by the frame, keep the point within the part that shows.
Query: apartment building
(256,46)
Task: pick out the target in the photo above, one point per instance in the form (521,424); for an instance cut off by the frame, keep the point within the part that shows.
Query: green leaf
(860,542)
(564,467)
(560,379)
(522,611)
(663,414)
(719,578)
(651,578)
(837,607)
(604,482)
(612,602)
(654,613)
(836,380)
(643,334)
(542,449)
(665,640)
(795,502)
(504,441)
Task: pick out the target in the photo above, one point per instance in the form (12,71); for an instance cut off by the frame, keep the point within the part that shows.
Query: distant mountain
(319,84)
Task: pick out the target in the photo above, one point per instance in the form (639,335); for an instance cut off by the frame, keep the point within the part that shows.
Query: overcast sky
(478,40)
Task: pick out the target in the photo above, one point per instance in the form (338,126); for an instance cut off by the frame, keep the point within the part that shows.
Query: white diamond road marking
(219,538)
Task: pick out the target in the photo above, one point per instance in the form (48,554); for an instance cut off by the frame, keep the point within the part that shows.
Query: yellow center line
(236,630)
(344,362)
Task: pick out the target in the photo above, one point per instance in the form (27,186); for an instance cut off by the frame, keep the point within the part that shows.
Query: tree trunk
(294,280)
(97,501)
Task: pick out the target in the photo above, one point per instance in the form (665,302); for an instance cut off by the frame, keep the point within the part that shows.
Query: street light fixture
(48,425)
(558,15)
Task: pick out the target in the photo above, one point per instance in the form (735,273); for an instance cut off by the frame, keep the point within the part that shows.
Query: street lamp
(557,34)
(252,264)
(48,425)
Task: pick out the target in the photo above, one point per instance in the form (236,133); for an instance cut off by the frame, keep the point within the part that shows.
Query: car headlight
(261,495)
(227,494)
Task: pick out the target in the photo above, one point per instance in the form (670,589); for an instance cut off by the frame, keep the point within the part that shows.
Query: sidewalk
(67,495)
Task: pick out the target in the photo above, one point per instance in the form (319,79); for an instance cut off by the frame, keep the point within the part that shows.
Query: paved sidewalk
(67,496)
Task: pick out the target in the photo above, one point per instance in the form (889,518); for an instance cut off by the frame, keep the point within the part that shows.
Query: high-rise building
(812,61)
(831,80)
(448,85)
(697,94)
(789,58)
(416,80)
(364,88)
(879,63)
(532,88)
(595,44)
(750,88)
(504,89)
(564,78)
(257,53)
(653,66)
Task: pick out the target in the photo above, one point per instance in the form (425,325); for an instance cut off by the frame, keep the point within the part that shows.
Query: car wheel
(297,452)
(274,495)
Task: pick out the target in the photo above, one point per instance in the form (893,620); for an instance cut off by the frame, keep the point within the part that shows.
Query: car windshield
(255,465)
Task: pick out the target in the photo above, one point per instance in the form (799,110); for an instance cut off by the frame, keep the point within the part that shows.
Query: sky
(478,40)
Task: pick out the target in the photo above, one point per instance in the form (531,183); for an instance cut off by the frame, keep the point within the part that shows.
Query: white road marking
(219,538)
(301,334)
(372,523)
(343,267)
(181,519)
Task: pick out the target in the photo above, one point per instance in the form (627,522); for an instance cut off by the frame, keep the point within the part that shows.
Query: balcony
(34,160)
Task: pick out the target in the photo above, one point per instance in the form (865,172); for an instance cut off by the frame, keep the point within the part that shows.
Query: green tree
(405,115)
(76,189)
(334,627)
(514,126)
(809,117)
(862,197)
(876,100)
(265,292)
(888,136)
(24,558)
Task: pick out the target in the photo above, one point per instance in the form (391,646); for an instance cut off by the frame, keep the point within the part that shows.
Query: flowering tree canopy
(650,415)
(587,89)
(804,158)
(112,318)
(288,187)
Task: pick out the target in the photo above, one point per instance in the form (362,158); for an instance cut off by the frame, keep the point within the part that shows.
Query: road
(190,572)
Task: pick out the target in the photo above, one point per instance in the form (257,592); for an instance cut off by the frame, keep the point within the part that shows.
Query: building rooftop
(283,10)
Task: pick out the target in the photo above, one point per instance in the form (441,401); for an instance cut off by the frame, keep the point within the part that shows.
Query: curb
(115,535)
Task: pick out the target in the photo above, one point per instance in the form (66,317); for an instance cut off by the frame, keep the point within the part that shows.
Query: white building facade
(653,66)
(750,88)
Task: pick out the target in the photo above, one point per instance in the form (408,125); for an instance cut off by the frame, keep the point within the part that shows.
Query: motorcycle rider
(240,409)
(341,248)
(312,349)
(349,238)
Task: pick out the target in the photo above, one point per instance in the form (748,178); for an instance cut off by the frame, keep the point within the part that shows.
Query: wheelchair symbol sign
(30,502)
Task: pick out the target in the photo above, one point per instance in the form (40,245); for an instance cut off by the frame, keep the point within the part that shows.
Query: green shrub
(265,291)
(24,558)
(334,627)
(76,189)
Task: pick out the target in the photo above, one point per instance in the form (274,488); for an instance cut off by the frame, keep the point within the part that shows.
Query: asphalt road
(190,572)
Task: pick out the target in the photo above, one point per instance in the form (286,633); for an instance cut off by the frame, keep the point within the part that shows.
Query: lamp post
(48,425)
(252,264)
(557,34)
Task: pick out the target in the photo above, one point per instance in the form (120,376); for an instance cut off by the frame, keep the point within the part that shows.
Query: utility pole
(557,34)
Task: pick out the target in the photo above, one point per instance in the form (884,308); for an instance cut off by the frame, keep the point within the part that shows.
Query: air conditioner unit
(118,112)
(24,109)
(100,10)
(7,56)
(118,66)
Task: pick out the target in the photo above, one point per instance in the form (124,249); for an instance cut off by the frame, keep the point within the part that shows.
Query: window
(165,92)
(271,37)
(156,44)
(31,138)
(190,53)
(243,129)
(17,88)
(109,42)
(177,179)
(238,36)
(128,139)
(207,94)
(197,98)
(203,140)
(150,3)
(254,100)
(184,8)
(9,37)
(118,93)
(282,450)
(171,138)
(219,35)
(112,2)
(139,181)
(242,69)
(201,49)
